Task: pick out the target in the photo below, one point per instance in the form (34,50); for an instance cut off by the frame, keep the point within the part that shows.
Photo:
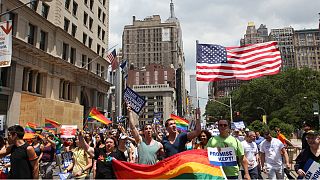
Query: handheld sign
(133,99)
(222,156)
(68,131)
(312,169)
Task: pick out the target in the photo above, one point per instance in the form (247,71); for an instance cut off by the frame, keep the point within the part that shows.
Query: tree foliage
(288,96)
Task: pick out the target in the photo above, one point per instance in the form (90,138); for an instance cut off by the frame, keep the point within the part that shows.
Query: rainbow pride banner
(95,114)
(182,124)
(51,123)
(193,164)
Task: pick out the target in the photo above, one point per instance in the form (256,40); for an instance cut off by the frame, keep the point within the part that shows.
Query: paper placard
(222,156)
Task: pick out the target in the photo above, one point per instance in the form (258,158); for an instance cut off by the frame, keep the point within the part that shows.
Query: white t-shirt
(272,151)
(250,151)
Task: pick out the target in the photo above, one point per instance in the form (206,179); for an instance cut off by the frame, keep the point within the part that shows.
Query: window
(103,35)
(99,13)
(84,38)
(65,90)
(90,42)
(90,23)
(84,60)
(32,81)
(73,30)
(86,2)
(72,55)
(99,32)
(65,48)
(103,17)
(104,2)
(85,19)
(34,5)
(4,77)
(67,4)
(66,24)
(98,69)
(75,8)
(102,52)
(91,4)
(45,10)
(31,34)
(43,40)
(102,71)
(98,49)
(89,64)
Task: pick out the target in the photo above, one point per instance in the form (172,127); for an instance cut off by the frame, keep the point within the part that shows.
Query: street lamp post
(264,117)
(18,7)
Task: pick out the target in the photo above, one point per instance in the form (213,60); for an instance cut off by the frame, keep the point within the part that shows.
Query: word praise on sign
(5,43)
(133,100)
(222,156)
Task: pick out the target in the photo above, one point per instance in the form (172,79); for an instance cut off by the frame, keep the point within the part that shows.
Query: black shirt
(104,167)
(179,144)
(20,165)
(303,157)
(304,141)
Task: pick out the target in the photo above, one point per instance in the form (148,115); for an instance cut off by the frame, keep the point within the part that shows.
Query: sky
(222,22)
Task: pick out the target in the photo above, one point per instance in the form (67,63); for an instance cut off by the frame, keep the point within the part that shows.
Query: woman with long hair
(203,138)
(103,156)
(47,160)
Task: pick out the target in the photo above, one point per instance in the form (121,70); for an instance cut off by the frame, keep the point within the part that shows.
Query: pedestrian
(175,142)
(259,138)
(148,148)
(24,161)
(81,162)
(203,138)
(311,152)
(48,162)
(283,138)
(251,152)
(306,128)
(36,143)
(272,150)
(224,139)
(104,169)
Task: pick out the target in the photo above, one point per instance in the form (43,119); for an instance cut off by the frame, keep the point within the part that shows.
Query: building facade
(58,61)
(307,48)
(284,37)
(151,41)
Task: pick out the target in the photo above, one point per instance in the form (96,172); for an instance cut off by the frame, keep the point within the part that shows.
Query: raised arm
(196,131)
(134,130)
(85,145)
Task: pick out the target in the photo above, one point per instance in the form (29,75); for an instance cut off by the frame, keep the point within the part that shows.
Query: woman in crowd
(47,160)
(81,162)
(203,138)
(36,143)
(103,156)
(311,152)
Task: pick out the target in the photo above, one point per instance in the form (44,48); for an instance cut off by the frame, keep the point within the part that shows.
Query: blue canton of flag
(211,54)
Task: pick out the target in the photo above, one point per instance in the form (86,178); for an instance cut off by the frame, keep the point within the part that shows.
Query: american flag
(215,62)
(113,59)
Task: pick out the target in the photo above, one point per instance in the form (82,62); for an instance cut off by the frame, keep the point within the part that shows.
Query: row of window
(44,9)
(32,37)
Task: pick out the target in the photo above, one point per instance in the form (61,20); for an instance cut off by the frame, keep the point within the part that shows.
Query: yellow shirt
(81,161)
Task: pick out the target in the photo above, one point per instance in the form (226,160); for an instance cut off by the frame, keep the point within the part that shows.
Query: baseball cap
(311,132)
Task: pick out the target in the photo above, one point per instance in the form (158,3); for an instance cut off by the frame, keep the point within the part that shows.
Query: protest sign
(312,169)
(68,131)
(5,43)
(222,156)
(66,158)
(133,100)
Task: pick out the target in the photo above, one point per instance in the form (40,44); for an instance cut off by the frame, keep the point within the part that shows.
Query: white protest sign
(5,43)
(68,131)
(222,156)
(312,169)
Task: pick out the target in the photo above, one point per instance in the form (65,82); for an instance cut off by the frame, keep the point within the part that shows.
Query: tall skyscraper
(151,41)
(193,91)
(58,61)
(284,37)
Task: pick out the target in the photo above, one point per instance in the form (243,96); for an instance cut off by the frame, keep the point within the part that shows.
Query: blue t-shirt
(179,144)
(259,140)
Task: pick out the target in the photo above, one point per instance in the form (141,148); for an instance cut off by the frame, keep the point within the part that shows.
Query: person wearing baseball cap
(311,152)
(306,128)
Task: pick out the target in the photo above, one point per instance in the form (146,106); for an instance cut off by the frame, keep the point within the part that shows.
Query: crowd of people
(89,154)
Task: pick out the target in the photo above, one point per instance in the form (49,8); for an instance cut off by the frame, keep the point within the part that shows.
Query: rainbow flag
(95,114)
(32,125)
(193,164)
(29,129)
(182,124)
(51,123)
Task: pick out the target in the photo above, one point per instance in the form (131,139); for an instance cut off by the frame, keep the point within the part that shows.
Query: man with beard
(148,148)
(175,142)
(24,161)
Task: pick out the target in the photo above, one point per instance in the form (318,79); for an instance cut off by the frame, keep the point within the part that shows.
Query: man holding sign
(227,151)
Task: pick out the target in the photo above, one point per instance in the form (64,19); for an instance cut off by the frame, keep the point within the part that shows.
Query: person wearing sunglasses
(223,140)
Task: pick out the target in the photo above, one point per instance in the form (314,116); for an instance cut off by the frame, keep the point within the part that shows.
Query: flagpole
(99,56)
(197,87)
